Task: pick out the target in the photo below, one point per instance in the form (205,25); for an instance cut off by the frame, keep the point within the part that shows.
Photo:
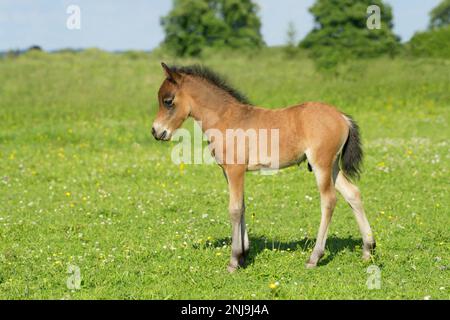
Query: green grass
(82,182)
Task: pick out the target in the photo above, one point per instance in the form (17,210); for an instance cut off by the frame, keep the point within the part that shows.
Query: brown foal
(316,132)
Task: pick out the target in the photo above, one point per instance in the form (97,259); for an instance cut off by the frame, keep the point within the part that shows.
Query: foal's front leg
(239,245)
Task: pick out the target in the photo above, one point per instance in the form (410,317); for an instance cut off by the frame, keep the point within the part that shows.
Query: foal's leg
(353,197)
(324,177)
(239,238)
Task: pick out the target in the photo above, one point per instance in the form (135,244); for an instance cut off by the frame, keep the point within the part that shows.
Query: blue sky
(134,24)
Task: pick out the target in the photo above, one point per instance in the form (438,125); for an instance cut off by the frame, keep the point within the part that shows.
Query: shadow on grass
(259,243)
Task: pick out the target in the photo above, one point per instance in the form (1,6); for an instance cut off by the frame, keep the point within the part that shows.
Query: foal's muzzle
(162,136)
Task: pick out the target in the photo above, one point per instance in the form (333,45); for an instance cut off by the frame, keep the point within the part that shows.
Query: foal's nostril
(153,131)
(163,135)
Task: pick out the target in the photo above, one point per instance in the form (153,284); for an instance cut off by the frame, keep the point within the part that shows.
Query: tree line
(339,32)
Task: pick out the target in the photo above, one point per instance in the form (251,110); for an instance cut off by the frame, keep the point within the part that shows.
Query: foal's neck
(213,107)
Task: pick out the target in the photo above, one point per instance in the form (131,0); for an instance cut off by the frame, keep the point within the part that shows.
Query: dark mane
(213,78)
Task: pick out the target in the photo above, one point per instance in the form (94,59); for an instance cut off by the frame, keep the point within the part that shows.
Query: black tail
(352,153)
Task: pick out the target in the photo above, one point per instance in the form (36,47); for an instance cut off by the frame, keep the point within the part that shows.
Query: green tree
(440,16)
(341,31)
(244,25)
(192,25)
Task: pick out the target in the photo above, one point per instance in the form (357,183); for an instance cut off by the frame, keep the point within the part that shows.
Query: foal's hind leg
(324,177)
(353,197)
(239,238)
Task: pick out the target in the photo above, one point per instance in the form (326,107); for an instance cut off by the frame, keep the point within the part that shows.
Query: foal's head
(174,105)
(184,90)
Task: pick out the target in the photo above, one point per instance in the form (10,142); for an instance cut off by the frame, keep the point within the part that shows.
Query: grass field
(83,183)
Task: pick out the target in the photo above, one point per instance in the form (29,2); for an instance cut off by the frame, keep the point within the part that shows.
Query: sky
(117,25)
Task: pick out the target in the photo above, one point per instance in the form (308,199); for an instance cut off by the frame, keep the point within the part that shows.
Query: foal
(316,132)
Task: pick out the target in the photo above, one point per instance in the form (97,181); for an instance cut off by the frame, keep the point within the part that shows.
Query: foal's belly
(283,163)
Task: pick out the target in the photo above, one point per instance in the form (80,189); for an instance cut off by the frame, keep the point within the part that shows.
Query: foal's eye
(168,102)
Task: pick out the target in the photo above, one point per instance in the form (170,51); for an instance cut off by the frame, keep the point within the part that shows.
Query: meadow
(83,183)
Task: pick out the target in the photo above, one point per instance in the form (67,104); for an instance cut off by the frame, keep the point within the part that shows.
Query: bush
(434,43)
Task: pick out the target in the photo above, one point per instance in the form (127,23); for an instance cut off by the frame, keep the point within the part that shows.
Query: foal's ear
(171,75)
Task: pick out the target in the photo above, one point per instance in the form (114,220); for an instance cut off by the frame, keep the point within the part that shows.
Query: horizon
(113,27)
